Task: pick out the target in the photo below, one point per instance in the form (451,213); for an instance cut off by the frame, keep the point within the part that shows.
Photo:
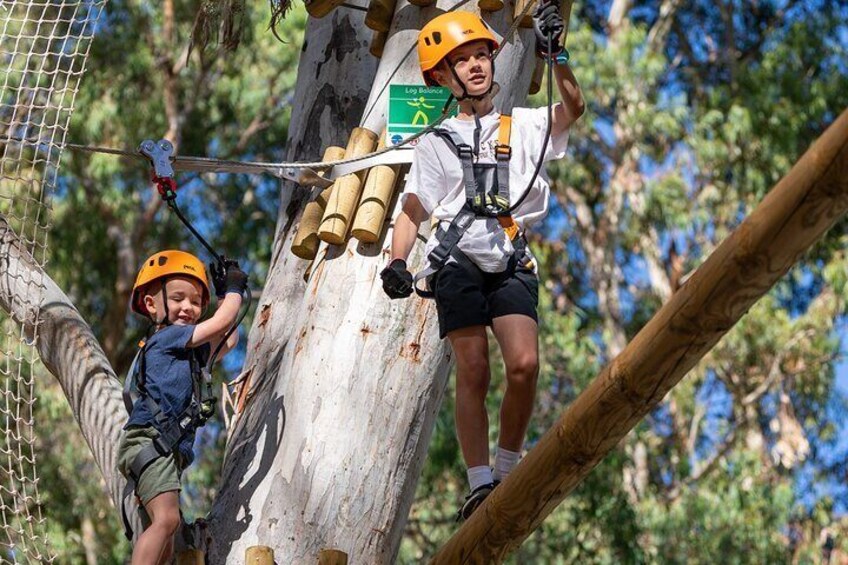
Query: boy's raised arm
(225,316)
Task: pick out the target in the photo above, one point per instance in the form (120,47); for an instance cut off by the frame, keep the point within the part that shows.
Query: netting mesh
(43,50)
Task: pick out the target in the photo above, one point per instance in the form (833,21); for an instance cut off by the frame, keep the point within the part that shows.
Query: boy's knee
(168,522)
(474,375)
(523,371)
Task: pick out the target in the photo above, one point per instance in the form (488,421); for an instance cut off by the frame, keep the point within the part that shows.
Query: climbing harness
(486,196)
(172,429)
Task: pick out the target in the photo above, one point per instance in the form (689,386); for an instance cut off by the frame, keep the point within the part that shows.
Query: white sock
(505,461)
(479,476)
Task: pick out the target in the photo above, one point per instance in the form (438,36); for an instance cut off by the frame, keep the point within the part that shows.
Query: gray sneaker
(473,500)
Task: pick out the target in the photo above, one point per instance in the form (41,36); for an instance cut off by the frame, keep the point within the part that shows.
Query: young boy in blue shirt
(172,291)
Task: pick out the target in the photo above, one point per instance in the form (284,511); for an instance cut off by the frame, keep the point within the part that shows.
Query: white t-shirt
(435,177)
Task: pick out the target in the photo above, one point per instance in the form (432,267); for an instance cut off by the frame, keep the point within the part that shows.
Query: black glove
(219,279)
(236,280)
(397,280)
(547,21)
(219,275)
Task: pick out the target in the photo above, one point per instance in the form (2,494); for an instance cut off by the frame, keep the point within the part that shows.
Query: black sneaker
(473,501)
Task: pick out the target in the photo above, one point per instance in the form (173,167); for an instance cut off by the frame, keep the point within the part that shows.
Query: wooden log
(527,19)
(795,214)
(259,555)
(305,242)
(379,15)
(565,10)
(332,557)
(320,8)
(378,42)
(376,197)
(490,5)
(190,557)
(422,3)
(538,76)
(345,196)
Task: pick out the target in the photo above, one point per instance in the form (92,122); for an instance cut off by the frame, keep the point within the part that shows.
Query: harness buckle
(503,152)
(489,205)
(465,151)
(162,445)
(439,256)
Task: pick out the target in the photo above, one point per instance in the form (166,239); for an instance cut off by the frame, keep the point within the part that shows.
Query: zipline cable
(200,164)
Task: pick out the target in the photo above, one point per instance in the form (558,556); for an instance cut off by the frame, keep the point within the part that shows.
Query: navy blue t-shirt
(167,379)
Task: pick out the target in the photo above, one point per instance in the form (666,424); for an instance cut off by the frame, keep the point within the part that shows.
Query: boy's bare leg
(518,337)
(167,552)
(164,511)
(471,347)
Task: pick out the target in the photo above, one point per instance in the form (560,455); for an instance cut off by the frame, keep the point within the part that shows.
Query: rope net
(43,50)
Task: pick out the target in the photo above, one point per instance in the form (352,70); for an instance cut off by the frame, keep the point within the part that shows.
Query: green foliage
(70,486)
(735,515)
(678,144)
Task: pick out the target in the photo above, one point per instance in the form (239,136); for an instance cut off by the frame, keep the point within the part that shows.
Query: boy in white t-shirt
(471,177)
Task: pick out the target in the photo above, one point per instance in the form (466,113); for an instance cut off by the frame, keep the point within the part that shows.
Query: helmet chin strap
(475,98)
(166,320)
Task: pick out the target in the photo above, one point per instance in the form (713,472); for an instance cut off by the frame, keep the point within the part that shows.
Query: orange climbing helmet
(167,264)
(445,33)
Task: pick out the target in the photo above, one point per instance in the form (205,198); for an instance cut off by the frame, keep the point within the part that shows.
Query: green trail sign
(413,107)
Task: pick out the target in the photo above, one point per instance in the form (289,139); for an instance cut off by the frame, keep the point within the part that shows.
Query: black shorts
(466,296)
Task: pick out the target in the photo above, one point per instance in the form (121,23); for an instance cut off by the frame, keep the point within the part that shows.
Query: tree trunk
(346,384)
(89,541)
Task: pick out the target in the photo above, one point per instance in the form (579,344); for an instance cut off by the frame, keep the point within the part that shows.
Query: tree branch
(659,31)
(69,350)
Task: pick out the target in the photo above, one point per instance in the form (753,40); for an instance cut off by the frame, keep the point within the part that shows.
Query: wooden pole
(378,42)
(379,15)
(376,196)
(320,8)
(490,5)
(190,557)
(345,195)
(538,76)
(332,557)
(305,242)
(791,218)
(565,10)
(259,555)
(527,20)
